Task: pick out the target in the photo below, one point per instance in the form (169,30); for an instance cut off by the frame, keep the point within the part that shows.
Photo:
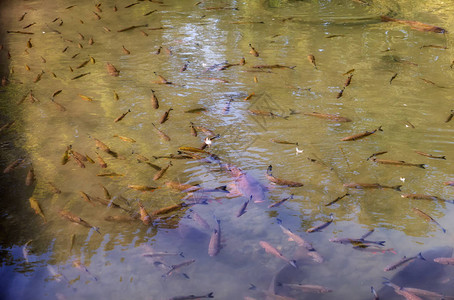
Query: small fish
(161,172)
(279,181)
(444,260)
(13,165)
(209,295)
(22,17)
(83,64)
(101,161)
(270,249)
(276,204)
(377,154)
(242,210)
(179,266)
(154,100)
(26,251)
(161,254)
(424,197)
(392,78)
(215,241)
(124,138)
(253,51)
(199,220)
(337,199)
(161,134)
(403,261)
(428,218)
(112,70)
(308,288)
(182,187)
(451,115)
(125,51)
(373,249)
(143,188)
(122,116)
(357,185)
(35,205)
(430,155)
(165,116)
(329,117)
(195,110)
(30,179)
(150,12)
(356,242)
(54,189)
(86,197)
(264,113)
(91,41)
(400,291)
(284,142)
(193,130)
(348,81)
(397,163)
(273,67)
(105,148)
(73,218)
(340,94)
(415,25)
(38,77)
(360,135)
(321,226)
(161,80)
(110,174)
(144,216)
(86,98)
(311,59)
(184,67)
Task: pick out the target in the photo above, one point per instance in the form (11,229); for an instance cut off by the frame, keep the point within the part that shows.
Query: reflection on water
(64,101)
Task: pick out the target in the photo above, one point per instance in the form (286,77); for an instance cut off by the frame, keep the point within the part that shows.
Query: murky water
(402,81)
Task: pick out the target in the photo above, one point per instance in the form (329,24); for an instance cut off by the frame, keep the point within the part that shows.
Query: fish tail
(96,229)
(397,187)
(181,254)
(386,19)
(422,166)
(268,171)
(210,295)
(379,128)
(420,256)
(381,243)
(293,263)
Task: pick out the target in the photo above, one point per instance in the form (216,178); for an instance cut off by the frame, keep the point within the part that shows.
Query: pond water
(401,83)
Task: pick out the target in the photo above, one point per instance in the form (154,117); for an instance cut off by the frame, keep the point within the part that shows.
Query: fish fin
(293,263)
(185,275)
(420,256)
(397,187)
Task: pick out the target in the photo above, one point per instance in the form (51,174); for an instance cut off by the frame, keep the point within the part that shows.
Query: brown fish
(143,188)
(451,115)
(348,81)
(401,291)
(13,165)
(264,113)
(35,205)
(270,249)
(165,116)
(424,197)
(75,219)
(328,116)
(337,199)
(253,51)
(161,172)
(357,185)
(430,155)
(105,148)
(428,218)
(101,161)
(279,181)
(397,163)
(321,226)
(276,204)
(284,142)
(86,197)
(193,130)
(167,209)
(360,135)
(182,187)
(122,116)
(161,80)
(311,59)
(415,25)
(154,100)
(124,138)
(144,216)
(30,179)
(215,241)
(112,70)
(377,154)
(126,51)
(444,260)
(161,134)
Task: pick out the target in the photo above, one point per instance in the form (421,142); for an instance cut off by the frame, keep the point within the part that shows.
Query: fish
(415,25)
(124,138)
(150,12)
(425,293)
(182,187)
(165,116)
(337,199)
(116,97)
(199,220)
(13,165)
(125,51)
(29,43)
(7,125)
(35,205)
(242,210)
(184,67)
(253,51)
(348,80)
(98,17)
(86,98)
(215,241)
(205,296)
(120,218)
(356,242)
(161,172)
(54,189)
(161,134)
(80,76)
(161,80)
(357,185)
(392,78)
(131,5)
(193,130)
(450,183)
(160,254)
(168,209)
(75,219)
(38,77)
(311,59)
(308,288)
(444,260)
(279,181)
(144,216)
(403,261)
(424,197)
(328,117)
(21,18)
(276,204)
(143,188)
(154,100)
(245,184)
(110,174)
(91,41)
(321,226)
(428,218)
(105,148)
(178,266)
(112,70)
(26,251)
(341,93)
(277,66)
(86,197)
(107,203)
(373,249)
(284,142)
(101,161)
(400,291)
(360,135)
(195,110)
(30,179)
(451,115)
(377,154)
(397,163)
(20,32)
(270,249)
(77,264)
(265,113)
(430,155)
(122,116)
(205,130)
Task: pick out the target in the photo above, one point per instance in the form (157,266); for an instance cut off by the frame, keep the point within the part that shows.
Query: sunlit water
(342,35)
